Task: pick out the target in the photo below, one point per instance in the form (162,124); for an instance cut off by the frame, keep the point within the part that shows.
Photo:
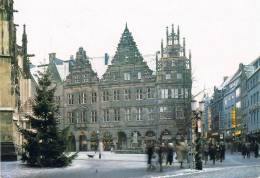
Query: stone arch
(107,141)
(136,140)
(71,142)
(82,141)
(121,140)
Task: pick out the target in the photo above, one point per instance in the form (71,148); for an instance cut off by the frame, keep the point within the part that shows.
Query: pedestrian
(169,154)
(205,152)
(244,150)
(160,156)
(213,152)
(256,149)
(149,152)
(222,152)
(248,150)
(181,151)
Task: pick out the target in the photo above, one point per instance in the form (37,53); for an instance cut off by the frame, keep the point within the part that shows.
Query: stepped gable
(127,51)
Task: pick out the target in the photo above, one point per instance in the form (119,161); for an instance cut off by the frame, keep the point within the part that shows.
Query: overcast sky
(220,33)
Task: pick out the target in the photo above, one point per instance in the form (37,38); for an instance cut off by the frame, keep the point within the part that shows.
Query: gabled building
(131,105)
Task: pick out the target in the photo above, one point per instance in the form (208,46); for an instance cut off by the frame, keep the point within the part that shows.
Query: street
(133,165)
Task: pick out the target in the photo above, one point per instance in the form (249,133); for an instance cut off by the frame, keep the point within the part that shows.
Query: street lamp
(196,116)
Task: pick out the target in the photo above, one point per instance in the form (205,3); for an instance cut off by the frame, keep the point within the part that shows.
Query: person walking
(213,152)
(248,150)
(160,154)
(169,154)
(244,150)
(222,152)
(149,152)
(205,152)
(256,149)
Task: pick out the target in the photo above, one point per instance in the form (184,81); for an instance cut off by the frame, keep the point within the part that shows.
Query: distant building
(131,105)
(252,124)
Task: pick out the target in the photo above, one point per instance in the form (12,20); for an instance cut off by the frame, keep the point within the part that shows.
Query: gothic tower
(7,71)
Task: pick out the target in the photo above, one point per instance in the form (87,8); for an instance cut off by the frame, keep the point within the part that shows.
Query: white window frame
(139,114)
(127,76)
(167,76)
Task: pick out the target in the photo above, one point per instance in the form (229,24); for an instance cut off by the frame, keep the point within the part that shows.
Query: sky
(220,33)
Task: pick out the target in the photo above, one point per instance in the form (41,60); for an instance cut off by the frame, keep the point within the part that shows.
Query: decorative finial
(126,26)
(190,54)
(162,48)
(172,34)
(167,36)
(178,34)
(184,50)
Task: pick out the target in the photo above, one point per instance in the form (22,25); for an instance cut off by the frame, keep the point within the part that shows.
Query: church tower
(7,70)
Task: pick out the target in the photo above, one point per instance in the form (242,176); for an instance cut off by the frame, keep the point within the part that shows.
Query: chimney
(52,56)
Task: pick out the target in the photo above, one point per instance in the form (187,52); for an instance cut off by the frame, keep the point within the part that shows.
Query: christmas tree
(45,144)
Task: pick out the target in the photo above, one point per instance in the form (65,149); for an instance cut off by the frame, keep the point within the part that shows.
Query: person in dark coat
(149,152)
(213,152)
(222,152)
(244,150)
(160,155)
(256,149)
(169,154)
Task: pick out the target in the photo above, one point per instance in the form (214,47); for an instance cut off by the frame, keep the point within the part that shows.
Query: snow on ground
(113,165)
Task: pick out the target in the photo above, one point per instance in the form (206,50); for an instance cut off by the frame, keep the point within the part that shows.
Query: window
(139,114)
(187,65)
(179,76)
(173,63)
(174,92)
(117,114)
(150,114)
(139,75)
(77,79)
(77,117)
(186,94)
(70,98)
(105,95)
(237,92)
(79,98)
(70,117)
(85,78)
(167,76)
(93,116)
(139,94)
(149,93)
(163,109)
(84,98)
(106,115)
(116,95)
(179,113)
(94,97)
(128,114)
(238,105)
(180,92)
(127,94)
(164,93)
(126,76)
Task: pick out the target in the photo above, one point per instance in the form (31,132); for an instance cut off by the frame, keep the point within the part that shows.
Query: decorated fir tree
(45,144)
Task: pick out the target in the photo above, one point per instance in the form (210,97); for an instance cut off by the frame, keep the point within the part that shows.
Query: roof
(127,51)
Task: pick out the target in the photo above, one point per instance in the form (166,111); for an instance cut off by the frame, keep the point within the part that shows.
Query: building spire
(189,54)
(24,38)
(126,26)
(172,34)
(167,36)
(184,46)
(178,34)
(162,48)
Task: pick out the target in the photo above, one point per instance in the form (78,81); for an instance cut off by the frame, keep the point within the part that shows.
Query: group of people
(159,154)
(214,151)
(247,148)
